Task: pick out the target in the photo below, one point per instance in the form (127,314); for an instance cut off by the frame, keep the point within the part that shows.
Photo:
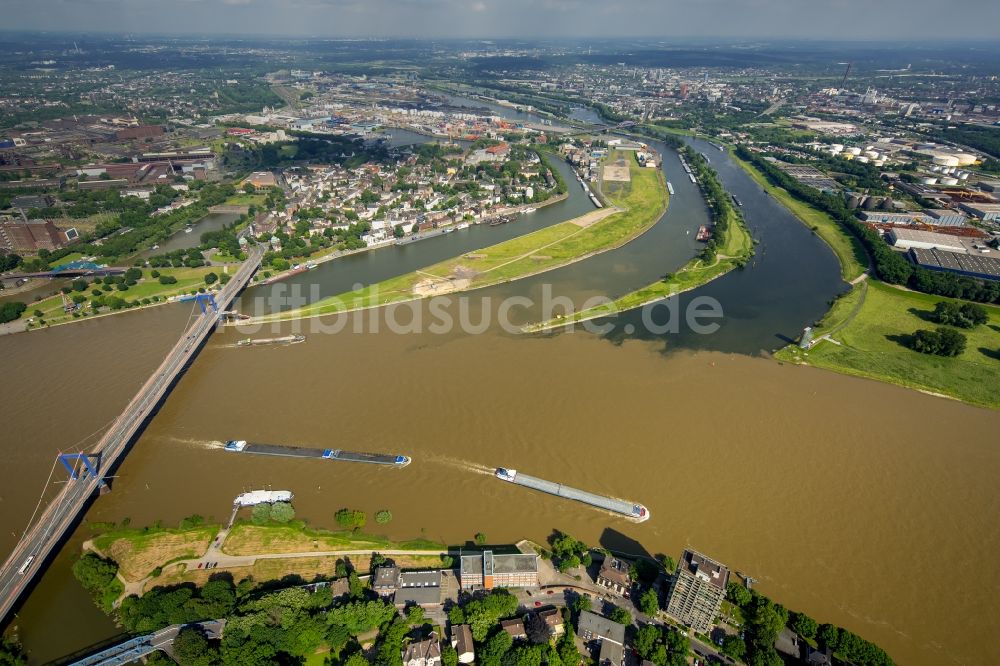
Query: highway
(41,539)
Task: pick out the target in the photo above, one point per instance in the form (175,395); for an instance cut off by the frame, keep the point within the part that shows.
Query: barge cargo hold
(243,446)
(636,512)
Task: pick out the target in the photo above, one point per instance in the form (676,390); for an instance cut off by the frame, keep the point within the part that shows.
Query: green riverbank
(733,247)
(640,203)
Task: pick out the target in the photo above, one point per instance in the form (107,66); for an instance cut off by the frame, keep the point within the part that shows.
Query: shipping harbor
(243,446)
(637,512)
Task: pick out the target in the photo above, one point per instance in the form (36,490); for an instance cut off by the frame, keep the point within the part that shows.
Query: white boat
(463,225)
(188,230)
(529,210)
(255,497)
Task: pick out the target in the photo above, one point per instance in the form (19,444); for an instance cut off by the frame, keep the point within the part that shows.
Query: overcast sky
(809,19)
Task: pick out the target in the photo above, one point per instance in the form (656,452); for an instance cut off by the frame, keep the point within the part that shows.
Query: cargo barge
(704,234)
(636,512)
(243,446)
(295,270)
(288,339)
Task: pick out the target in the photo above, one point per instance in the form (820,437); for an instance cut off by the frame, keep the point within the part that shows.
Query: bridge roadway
(41,539)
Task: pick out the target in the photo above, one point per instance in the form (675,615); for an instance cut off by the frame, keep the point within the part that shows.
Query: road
(40,539)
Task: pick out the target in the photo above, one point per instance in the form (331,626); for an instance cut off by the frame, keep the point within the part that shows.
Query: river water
(860,503)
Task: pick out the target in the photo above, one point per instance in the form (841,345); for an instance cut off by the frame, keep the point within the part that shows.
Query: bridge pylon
(89,461)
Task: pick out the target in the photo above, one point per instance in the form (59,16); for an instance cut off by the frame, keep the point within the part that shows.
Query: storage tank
(837,147)
(871,203)
(945,160)
(853,200)
(862,159)
(854,150)
(949,180)
(878,163)
(928,181)
(965,159)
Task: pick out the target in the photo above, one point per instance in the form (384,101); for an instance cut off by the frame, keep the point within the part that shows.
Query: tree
(828,636)
(249,188)
(941,341)
(738,594)
(582,603)
(537,629)
(260,514)
(449,657)
(211,278)
(167,279)
(668,563)
(351,519)
(11,653)
(495,648)
(12,310)
(480,538)
(733,646)
(191,648)
(94,572)
(568,654)
(803,625)
(966,315)
(382,517)
(646,640)
(649,602)
(282,512)
(621,616)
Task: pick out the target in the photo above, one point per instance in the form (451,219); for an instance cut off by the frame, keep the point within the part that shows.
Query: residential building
(615,575)
(423,653)
(386,581)
(461,640)
(554,619)
(697,591)
(611,654)
(514,627)
(488,571)
(594,627)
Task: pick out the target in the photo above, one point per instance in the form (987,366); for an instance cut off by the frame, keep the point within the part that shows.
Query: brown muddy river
(857,502)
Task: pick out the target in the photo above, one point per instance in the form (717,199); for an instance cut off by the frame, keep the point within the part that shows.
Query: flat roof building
(488,570)
(697,590)
(422,588)
(984,211)
(917,238)
(974,265)
(30,236)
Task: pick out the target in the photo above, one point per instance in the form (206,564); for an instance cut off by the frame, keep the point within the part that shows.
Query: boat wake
(464,465)
(196,443)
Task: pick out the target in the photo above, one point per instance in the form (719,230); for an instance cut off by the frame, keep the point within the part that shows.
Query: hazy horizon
(836,20)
